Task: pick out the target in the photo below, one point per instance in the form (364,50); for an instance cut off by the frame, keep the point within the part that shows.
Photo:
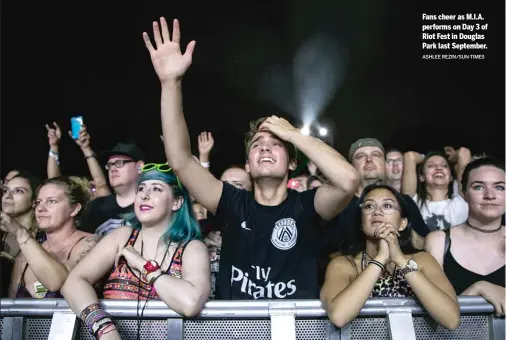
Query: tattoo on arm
(89,243)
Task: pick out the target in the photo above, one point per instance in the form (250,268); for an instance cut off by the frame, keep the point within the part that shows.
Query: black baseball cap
(125,149)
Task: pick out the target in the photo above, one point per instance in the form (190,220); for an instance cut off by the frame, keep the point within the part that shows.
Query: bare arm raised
(170,65)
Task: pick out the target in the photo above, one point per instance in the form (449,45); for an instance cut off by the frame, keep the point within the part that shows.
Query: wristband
(205,164)
(379,264)
(55,155)
(90,156)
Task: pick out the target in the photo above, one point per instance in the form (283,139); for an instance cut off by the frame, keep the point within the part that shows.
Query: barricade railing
(399,319)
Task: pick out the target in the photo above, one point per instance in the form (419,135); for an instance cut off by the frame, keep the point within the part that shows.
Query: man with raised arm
(270,247)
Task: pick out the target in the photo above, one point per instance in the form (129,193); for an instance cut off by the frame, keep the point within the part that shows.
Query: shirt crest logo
(284,235)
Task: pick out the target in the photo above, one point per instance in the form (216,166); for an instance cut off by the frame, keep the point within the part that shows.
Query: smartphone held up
(76,124)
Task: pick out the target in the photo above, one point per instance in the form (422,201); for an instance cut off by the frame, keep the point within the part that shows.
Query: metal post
(175,329)
(63,326)
(282,320)
(400,325)
(333,332)
(496,328)
(12,328)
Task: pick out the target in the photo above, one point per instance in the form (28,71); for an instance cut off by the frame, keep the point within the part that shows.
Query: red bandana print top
(123,284)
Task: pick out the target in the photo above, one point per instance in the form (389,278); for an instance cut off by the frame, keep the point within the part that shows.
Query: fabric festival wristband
(88,310)
(55,155)
(205,164)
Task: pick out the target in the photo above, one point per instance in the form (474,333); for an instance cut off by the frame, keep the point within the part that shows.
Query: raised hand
(53,135)
(311,167)
(7,224)
(84,138)
(279,127)
(206,142)
(166,56)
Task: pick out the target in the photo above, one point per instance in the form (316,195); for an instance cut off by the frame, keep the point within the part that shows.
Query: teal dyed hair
(183,227)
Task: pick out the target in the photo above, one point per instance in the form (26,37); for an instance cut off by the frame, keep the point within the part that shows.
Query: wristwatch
(411,266)
(149,267)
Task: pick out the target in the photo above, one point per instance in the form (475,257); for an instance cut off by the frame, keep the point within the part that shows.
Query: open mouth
(266,160)
(438,175)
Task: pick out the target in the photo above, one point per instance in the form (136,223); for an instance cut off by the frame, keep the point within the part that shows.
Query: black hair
(35,182)
(477,163)
(421,188)
(354,239)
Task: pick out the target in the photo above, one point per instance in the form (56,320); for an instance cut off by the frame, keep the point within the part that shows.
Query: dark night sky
(61,60)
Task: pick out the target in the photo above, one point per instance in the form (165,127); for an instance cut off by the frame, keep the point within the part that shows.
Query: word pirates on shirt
(268,252)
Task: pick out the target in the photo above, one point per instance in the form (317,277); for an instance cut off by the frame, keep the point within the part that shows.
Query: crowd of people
(374,223)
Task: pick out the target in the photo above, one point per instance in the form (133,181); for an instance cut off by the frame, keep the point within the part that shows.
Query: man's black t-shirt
(268,252)
(104,215)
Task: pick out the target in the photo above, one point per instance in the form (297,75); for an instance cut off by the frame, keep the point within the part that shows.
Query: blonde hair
(76,189)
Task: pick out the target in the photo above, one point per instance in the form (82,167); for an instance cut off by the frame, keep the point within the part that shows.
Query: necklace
(486,231)
(61,245)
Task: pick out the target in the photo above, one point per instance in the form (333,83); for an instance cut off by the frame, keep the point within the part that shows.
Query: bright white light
(323,131)
(305,130)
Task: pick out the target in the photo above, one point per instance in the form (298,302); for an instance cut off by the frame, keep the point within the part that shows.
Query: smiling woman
(429,180)
(145,257)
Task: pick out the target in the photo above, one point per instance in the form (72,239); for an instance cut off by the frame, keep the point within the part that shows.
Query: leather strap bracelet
(379,264)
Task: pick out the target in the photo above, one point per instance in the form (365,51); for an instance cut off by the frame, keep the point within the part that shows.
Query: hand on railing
(492,293)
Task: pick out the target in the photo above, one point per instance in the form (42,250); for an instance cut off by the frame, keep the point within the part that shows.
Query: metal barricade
(226,320)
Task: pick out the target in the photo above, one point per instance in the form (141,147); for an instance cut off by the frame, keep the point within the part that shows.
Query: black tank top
(22,291)
(460,277)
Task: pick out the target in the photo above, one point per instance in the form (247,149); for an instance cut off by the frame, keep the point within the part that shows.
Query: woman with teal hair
(156,255)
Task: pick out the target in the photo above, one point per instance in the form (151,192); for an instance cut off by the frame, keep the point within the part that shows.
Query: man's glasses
(394,161)
(387,208)
(117,164)
(162,167)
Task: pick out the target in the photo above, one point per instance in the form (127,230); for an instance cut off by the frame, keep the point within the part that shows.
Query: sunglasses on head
(162,167)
